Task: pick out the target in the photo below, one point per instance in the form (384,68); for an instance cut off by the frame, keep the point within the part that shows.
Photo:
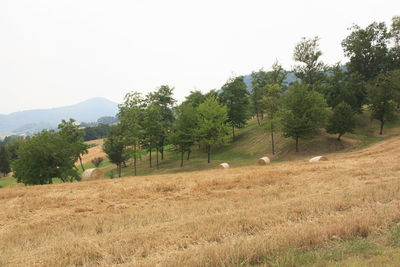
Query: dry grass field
(93,152)
(228,217)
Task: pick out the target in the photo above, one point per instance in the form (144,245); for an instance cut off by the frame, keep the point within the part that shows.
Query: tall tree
(131,116)
(343,86)
(163,98)
(342,120)
(183,133)
(272,107)
(304,112)
(4,161)
(395,50)
(309,68)
(70,131)
(212,124)
(235,96)
(368,50)
(114,146)
(259,80)
(195,98)
(152,125)
(382,95)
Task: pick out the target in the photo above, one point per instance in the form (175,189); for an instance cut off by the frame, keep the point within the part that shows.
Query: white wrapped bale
(318,158)
(264,161)
(224,165)
(92,174)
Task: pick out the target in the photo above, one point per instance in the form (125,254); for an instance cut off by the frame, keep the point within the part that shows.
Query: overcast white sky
(55,52)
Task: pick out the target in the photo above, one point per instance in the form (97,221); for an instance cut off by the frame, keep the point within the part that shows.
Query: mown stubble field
(210,218)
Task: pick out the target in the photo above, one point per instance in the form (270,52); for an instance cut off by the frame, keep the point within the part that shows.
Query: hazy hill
(34,120)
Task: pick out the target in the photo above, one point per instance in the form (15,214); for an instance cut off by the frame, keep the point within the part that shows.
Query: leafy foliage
(310,69)
(114,146)
(382,94)
(212,124)
(342,86)
(368,50)
(235,96)
(184,131)
(97,161)
(304,112)
(342,120)
(4,161)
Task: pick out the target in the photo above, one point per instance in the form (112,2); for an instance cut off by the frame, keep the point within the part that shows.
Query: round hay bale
(224,165)
(319,158)
(264,161)
(92,174)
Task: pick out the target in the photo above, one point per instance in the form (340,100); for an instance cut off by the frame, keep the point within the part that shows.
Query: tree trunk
(338,138)
(80,159)
(182,152)
(297,144)
(381,131)
(157,158)
(272,139)
(233,132)
(208,152)
(134,160)
(262,115)
(150,159)
(162,149)
(119,169)
(258,120)
(188,157)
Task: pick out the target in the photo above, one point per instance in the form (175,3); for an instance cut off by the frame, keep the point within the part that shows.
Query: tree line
(322,96)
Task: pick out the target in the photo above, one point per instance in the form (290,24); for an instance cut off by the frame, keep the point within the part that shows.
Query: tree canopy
(304,112)
(212,124)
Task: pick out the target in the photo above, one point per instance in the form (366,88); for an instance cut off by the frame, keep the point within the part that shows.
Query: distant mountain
(35,120)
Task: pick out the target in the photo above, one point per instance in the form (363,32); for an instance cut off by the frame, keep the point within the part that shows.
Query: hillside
(252,143)
(340,211)
(35,120)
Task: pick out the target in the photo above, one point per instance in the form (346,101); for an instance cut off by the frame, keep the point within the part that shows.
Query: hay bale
(224,165)
(92,174)
(264,161)
(319,158)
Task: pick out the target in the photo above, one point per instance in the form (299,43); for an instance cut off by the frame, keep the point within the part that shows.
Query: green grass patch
(375,250)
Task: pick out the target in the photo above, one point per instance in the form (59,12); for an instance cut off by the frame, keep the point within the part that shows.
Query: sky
(57,53)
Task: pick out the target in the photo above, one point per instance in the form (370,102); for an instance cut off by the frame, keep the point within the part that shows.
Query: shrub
(97,161)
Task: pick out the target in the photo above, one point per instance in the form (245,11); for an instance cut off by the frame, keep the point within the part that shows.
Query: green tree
(4,161)
(195,98)
(304,112)
(342,120)
(183,134)
(114,146)
(343,86)
(45,156)
(131,116)
(272,106)
(212,124)
(368,50)
(382,94)
(71,133)
(309,68)
(163,98)
(152,125)
(235,96)
(258,83)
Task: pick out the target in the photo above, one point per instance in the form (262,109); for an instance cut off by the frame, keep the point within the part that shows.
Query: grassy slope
(250,144)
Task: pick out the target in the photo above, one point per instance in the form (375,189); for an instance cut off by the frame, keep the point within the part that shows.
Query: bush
(97,161)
